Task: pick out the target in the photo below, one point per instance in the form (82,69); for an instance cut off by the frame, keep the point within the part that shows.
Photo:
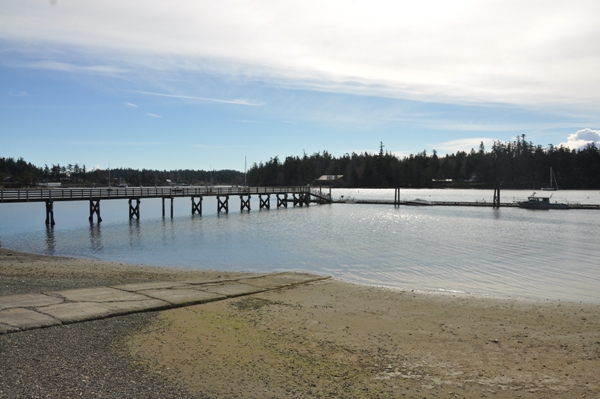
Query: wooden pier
(482,204)
(301,196)
(297,196)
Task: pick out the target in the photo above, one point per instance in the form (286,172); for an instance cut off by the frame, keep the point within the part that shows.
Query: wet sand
(334,339)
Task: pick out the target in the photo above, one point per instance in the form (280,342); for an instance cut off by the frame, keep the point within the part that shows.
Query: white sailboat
(553,184)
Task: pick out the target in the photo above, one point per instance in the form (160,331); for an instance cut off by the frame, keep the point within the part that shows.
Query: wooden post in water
(496,201)
(266,203)
(223,205)
(297,201)
(397,196)
(244,202)
(307,198)
(134,210)
(50,213)
(94,209)
(282,202)
(197,207)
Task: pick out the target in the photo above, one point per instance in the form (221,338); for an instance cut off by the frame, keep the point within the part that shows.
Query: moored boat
(418,201)
(534,202)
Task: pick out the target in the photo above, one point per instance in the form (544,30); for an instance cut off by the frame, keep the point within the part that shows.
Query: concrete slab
(26,319)
(231,289)
(220,280)
(200,281)
(27,300)
(5,328)
(150,286)
(98,294)
(297,278)
(81,311)
(181,297)
(282,280)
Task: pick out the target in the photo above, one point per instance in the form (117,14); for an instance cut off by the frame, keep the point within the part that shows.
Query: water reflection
(497,213)
(168,232)
(135,235)
(95,238)
(50,240)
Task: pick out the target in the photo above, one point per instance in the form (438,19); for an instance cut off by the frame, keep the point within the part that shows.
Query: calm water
(503,252)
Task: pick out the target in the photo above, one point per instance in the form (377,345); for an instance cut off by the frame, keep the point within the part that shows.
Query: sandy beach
(323,339)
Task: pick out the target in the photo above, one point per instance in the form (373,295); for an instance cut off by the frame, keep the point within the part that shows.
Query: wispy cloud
(119,143)
(130,105)
(211,147)
(67,67)
(153,115)
(433,50)
(21,93)
(453,146)
(237,101)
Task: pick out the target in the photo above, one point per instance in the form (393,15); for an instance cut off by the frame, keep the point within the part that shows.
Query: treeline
(19,173)
(517,164)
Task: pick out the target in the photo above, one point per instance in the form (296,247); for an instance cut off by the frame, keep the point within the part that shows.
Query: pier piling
(134,210)
(197,207)
(496,200)
(50,213)
(282,201)
(94,209)
(223,205)
(266,203)
(244,202)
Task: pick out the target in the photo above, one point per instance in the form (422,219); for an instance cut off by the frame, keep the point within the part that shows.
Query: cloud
(67,67)
(238,101)
(582,138)
(153,115)
(453,146)
(447,51)
(211,147)
(21,93)
(130,105)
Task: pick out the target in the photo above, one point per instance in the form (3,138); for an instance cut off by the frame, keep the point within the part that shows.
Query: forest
(519,165)
(19,174)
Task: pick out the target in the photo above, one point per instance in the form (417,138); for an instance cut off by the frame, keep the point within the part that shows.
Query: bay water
(512,252)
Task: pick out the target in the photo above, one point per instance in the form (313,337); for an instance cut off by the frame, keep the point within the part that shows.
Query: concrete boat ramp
(30,311)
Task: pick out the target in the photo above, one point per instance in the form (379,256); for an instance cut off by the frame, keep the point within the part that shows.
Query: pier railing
(74,194)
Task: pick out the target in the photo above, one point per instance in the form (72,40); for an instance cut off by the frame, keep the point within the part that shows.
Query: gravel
(82,360)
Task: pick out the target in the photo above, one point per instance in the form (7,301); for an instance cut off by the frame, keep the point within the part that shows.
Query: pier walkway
(107,193)
(297,196)
(37,310)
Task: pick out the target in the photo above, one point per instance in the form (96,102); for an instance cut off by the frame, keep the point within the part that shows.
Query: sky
(195,84)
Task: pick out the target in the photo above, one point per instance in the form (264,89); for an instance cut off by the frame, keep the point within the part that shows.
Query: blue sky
(199,85)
